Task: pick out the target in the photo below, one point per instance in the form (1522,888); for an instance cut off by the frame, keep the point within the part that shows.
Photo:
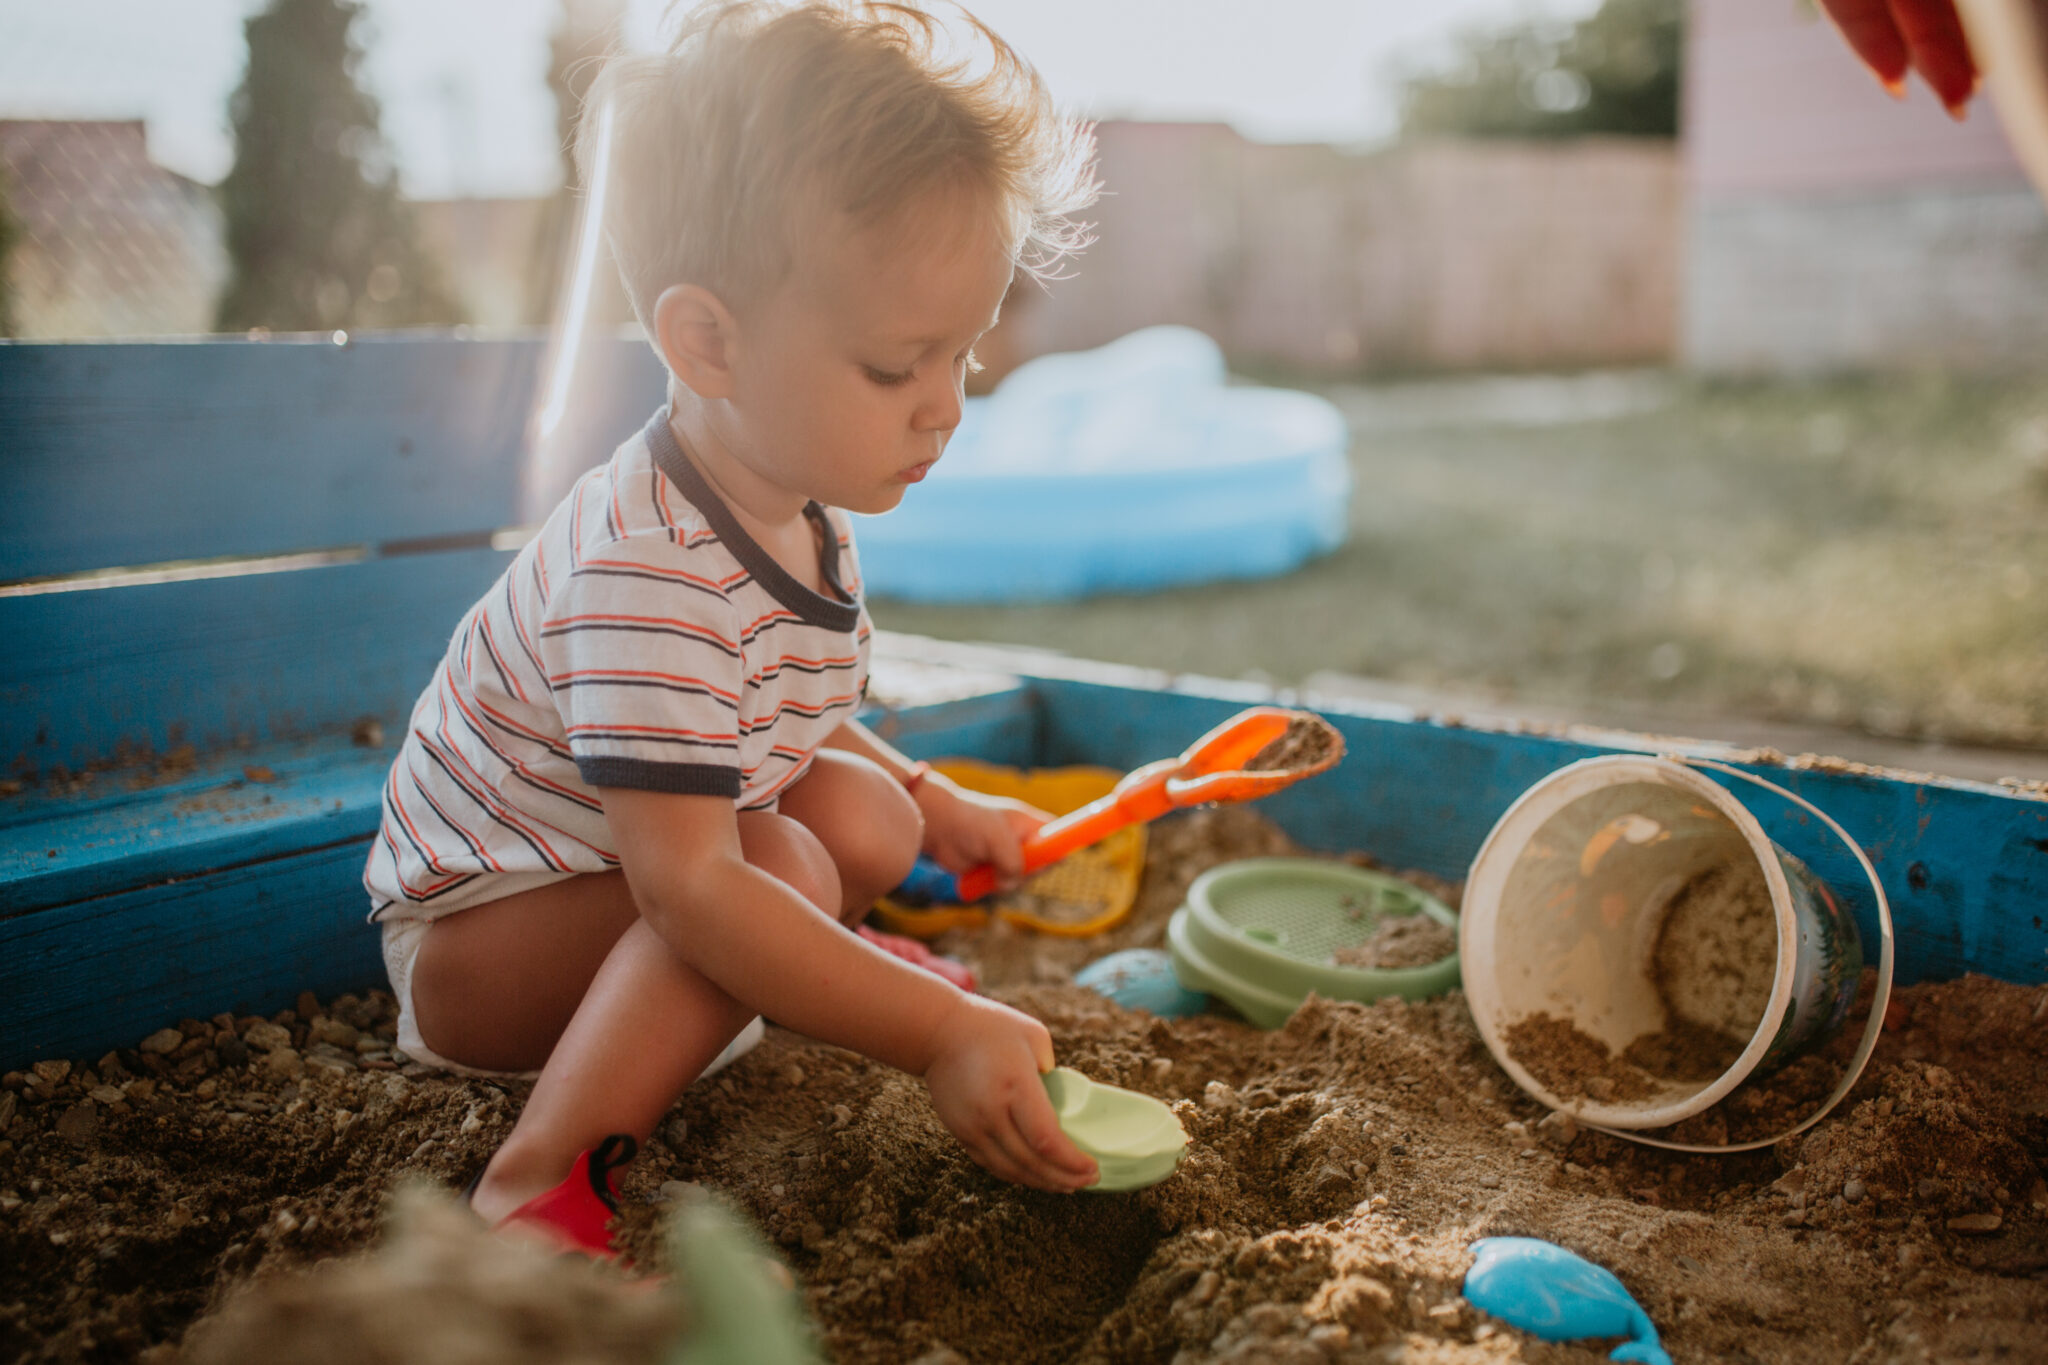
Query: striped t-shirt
(643,640)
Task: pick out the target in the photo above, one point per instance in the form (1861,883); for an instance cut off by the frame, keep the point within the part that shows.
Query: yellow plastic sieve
(1084,893)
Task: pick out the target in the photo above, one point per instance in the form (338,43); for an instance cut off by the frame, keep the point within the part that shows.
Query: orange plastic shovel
(1242,759)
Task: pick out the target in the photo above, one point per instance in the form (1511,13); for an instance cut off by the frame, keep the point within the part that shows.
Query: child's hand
(985,1087)
(964,829)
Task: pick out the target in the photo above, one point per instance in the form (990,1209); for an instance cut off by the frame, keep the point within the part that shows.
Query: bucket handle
(1879,999)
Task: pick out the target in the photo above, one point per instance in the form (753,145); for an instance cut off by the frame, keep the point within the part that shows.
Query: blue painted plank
(1965,867)
(215,892)
(104,973)
(126,454)
(225,661)
(311,796)
(996,727)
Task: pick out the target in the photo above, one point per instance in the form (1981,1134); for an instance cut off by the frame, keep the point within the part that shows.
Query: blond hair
(724,148)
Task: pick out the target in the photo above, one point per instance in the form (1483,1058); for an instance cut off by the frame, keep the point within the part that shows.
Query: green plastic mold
(1135,1140)
(1263,932)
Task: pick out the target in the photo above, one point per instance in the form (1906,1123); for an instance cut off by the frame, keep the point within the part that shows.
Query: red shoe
(917,955)
(574,1213)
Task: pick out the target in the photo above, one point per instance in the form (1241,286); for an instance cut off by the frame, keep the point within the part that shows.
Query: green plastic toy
(1263,932)
(738,1312)
(1135,1140)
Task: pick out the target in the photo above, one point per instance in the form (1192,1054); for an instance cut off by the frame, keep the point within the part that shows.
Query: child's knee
(886,841)
(790,853)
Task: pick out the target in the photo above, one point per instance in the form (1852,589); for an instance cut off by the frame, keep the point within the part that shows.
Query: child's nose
(939,407)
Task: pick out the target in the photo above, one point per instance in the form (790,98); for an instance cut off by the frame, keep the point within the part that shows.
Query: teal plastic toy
(1540,1287)
(1142,979)
(1135,1140)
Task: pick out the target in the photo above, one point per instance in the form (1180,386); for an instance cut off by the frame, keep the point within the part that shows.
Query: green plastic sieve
(1264,932)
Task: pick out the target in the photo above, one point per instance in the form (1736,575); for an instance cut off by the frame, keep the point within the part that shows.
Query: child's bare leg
(569,974)
(865,819)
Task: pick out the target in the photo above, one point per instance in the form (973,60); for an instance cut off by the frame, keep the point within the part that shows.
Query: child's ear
(694,331)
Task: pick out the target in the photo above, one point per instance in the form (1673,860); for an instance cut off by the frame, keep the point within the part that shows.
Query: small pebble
(1599,1087)
(284,1063)
(162,1041)
(1559,1129)
(79,1123)
(793,1076)
(232,1051)
(1631,1238)
(841,1116)
(328,1029)
(54,1072)
(265,1036)
(106,1094)
(1853,1191)
(1976,1224)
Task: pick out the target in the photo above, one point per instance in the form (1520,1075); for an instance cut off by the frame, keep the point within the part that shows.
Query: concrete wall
(1446,255)
(1831,228)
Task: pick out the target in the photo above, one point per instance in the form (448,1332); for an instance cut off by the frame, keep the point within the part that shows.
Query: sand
(1339,1168)
(1308,742)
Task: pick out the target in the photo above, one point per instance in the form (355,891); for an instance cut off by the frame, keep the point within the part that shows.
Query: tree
(1615,71)
(587,32)
(317,235)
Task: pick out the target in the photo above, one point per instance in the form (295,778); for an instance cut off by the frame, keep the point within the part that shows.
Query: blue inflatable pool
(1124,469)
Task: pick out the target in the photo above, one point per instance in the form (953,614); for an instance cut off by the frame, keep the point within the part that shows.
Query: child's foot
(573,1216)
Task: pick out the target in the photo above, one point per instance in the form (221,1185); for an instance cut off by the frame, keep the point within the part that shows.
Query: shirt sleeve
(641,647)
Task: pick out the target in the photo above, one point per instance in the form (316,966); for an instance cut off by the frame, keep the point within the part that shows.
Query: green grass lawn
(1869,554)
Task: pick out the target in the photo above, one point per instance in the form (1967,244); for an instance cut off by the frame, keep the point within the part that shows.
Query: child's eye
(888,379)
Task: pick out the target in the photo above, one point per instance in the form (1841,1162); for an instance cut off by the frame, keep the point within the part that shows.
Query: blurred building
(1437,255)
(1832,228)
(110,243)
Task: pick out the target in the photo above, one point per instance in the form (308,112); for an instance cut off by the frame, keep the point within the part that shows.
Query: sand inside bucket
(1712,967)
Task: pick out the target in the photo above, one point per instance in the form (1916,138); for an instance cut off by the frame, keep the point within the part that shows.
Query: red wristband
(919,771)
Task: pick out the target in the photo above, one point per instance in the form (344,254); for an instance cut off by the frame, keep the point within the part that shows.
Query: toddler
(633,811)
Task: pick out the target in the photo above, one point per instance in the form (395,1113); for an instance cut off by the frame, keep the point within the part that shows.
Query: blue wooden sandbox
(192,755)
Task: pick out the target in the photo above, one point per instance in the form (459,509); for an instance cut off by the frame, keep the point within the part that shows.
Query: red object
(574,1213)
(917,955)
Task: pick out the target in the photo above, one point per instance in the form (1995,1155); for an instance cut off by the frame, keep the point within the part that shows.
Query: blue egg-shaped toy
(1540,1287)
(1142,979)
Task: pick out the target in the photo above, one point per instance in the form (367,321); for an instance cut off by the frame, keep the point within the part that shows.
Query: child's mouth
(916,473)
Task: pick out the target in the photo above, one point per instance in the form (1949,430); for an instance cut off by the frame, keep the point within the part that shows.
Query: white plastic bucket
(1628,894)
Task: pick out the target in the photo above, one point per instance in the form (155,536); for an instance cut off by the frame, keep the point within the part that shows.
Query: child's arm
(962,829)
(761,942)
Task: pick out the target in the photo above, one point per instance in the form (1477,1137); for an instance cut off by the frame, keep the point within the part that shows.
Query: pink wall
(1439,255)
(1776,105)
